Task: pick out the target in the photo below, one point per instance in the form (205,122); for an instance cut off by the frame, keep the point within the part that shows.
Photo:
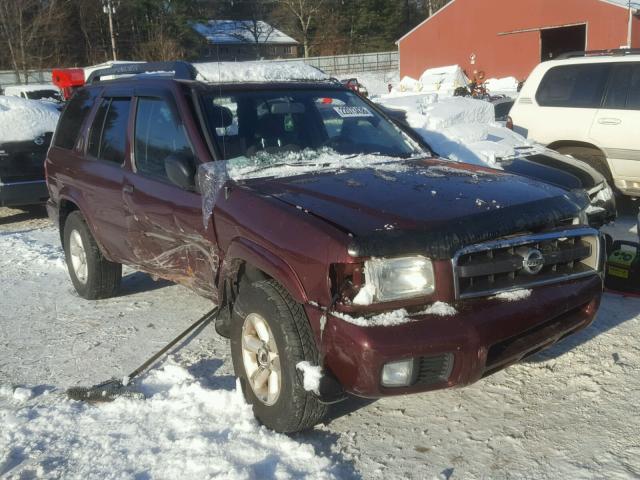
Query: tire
(294,409)
(100,278)
(592,157)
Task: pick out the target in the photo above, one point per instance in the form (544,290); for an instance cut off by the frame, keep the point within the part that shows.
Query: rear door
(102,175)
(165,223)
(616,127)
(569,97)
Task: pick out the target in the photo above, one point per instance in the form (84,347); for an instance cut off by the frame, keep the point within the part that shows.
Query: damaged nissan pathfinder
(345,258)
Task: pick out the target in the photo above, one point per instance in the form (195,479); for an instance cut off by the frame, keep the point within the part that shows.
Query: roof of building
(619,3)
(241,32)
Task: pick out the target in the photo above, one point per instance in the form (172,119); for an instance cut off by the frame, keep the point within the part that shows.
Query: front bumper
(14,194)
(485,336)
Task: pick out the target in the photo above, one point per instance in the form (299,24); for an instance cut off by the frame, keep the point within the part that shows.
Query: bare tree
(258,30)
(24,28)
(305,12)
(161,46)
(434,5)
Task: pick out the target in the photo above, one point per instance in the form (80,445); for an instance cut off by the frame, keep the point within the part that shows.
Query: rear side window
(73,117)
(573,86)
(107,140)
(158,135)
(623,92)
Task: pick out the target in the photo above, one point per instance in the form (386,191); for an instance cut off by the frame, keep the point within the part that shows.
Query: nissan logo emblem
(533,261)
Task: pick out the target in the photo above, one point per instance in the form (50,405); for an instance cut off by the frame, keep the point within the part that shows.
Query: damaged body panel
(394,260)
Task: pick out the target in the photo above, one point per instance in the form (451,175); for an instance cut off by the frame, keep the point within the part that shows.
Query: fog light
(398,374)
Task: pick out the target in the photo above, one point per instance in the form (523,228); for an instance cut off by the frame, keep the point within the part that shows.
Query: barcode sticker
(353,112)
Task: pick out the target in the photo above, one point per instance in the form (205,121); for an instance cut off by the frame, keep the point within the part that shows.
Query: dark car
(550,167)
(22,180)
(330,238)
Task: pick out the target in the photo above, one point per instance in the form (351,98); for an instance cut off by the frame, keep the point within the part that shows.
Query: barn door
(556,41)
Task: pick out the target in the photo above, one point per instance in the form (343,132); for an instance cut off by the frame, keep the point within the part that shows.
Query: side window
(573,86)
(108,137)
(633,100)
(96,128)
(618,87)
(73,117)
(158,135)
(114,134)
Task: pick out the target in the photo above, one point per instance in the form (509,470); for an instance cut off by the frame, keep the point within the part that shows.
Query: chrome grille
(526,261)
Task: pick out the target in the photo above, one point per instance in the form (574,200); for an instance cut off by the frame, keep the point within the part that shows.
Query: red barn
(509,37)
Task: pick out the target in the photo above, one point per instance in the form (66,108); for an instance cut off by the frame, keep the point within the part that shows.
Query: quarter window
(573,86)
(158,135)
(108,137)
(73,117)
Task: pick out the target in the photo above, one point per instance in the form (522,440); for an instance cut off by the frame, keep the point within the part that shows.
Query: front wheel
(270,335)
(92,275)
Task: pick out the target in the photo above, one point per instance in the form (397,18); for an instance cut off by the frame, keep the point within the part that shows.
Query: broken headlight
(395,279)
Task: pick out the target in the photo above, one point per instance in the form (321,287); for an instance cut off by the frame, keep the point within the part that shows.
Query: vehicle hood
(428,206)
(552,167)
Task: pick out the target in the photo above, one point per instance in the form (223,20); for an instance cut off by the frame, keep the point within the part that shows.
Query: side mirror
(181,170)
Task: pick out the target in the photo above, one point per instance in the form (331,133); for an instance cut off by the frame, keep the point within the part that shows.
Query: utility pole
(630,26)
(109,8)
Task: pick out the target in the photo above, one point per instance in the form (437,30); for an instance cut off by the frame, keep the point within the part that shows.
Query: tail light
(68,79)
(509,124)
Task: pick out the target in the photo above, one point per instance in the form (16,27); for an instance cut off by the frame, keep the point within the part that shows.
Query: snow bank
(312,375)
(507,85)
(443,80)
(22,120)
(182,430)
(461,129)
(410,84)
(377,83)
(229,72)
(397,317)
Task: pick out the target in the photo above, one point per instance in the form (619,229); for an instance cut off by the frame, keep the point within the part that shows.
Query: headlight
(397,278)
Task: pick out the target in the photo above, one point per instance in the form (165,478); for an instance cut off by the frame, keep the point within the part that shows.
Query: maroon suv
(329,236)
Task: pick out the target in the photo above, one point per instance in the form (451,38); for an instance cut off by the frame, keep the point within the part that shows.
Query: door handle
(127,189)
(609,121)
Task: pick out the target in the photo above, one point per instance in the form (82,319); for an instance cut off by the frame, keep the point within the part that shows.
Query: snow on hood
(256,71)
(23,120)
(461,129)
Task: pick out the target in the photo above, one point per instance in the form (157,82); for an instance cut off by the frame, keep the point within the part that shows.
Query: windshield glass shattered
(262,128)
(275,134)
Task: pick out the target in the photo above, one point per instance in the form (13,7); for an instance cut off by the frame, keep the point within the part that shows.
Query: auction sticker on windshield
(353,112)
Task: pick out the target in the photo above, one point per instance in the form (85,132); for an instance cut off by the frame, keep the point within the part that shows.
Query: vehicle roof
(594,59)
(31,87)
(142,80)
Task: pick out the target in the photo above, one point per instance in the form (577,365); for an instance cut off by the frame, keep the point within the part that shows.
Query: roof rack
(599,53)
(181,70)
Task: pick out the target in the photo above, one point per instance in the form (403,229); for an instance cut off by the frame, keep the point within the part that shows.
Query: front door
(166,231)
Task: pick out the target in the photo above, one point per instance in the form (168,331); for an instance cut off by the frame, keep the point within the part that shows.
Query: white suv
(588,106)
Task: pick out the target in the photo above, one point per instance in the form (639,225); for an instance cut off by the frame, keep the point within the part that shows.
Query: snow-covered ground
(570,412)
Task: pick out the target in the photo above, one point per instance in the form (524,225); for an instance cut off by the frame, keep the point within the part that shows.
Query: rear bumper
(14,194)
(485,336)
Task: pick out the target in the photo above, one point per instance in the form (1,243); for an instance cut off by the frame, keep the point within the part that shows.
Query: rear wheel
(92,275)
(270,335)
(592,157)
